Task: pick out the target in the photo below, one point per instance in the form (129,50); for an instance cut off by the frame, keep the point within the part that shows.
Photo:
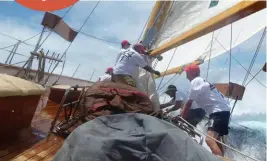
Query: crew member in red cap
(107,76)
(128,63)
(213,102)
(124,45)
(138,47)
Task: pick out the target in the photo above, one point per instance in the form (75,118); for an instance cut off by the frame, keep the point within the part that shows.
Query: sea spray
(242,137)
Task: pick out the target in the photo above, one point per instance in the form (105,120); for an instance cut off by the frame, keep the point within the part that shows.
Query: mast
(156,21)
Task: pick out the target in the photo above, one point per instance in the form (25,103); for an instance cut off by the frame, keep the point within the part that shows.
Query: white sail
(184,16)
(193,50)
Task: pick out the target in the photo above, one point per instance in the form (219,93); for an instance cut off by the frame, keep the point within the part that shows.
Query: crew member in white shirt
(107,76)
(129,62)
(213,102)
(176,101)
(124,46)
(196,114)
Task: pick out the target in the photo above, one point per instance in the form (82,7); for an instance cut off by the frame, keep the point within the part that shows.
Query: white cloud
(111,20)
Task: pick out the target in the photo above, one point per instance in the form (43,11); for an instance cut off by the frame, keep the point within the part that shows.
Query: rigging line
(57,24)
(167,68)
(89,16)
(15,53)
(61,58)
(112,42)
(6,65)
(210,56)
(195,129)
(239,63)
(83,25)
(172,78)
(253,77)
(168,81)
(7,46)
(15,38)
(21,41)
(255,55)
(206,53)
(253,60)
(60,73)
(65,52)
(236,41)
(230,62)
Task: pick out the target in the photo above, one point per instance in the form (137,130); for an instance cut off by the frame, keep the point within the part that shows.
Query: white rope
(216,139)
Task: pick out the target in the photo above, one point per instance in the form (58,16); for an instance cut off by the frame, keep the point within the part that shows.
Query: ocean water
(248,137)
(247,134)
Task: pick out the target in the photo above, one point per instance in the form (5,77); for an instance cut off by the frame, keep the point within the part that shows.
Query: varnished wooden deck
(34,143)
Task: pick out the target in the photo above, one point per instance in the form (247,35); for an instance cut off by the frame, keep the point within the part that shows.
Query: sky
(115,21)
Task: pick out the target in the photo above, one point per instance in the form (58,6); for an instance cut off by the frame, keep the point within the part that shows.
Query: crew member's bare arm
(177,106)
(151,70)
(185,109)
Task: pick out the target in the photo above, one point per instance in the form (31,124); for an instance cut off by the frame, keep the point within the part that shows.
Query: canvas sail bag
(107,98)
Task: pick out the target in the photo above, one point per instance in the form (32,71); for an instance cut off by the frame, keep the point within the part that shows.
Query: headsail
(189,25)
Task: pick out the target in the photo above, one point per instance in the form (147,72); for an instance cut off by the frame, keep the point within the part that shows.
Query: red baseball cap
(109,70)
(192,68)
(125,42)
(140,48)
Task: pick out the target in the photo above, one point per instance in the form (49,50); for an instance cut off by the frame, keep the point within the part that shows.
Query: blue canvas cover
(131,137)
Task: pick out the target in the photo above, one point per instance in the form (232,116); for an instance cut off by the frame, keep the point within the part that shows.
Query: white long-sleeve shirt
(119,55)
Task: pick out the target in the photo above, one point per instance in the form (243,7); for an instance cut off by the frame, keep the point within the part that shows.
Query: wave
(248,137)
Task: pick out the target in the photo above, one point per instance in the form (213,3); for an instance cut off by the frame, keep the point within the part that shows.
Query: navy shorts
(195,116)
(218,122)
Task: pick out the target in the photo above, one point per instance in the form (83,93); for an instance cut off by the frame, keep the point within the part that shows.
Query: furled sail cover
(146,83)
(179,17)
(131,137)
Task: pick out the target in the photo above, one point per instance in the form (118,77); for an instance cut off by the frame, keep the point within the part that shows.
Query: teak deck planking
(34,143)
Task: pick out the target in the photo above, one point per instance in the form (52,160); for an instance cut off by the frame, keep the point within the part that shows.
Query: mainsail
(182,31)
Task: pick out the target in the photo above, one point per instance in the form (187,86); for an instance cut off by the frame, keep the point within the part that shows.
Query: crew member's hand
(148,52)
(166,112)
(157,73)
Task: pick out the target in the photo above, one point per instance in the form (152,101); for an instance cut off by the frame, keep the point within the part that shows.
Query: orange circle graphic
(46,5)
